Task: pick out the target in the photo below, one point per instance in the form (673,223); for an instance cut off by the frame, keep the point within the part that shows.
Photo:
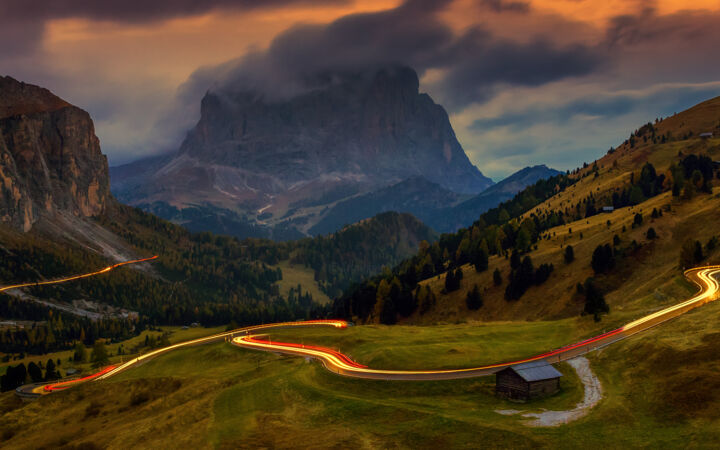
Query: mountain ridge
(51,157)
(275,162)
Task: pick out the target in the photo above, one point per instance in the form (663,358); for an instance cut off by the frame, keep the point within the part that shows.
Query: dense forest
(199,277)
(350,254)
(396,292)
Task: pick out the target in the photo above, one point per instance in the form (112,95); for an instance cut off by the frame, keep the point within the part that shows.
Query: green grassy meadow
(661,388)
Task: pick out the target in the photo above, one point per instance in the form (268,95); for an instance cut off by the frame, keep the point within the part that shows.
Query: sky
(525,82)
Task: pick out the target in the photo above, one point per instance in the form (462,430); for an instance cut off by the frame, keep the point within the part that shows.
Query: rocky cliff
(50,158)
(287,159)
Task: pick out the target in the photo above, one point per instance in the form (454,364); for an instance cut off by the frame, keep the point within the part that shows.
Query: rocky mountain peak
(20,98)
(286,160)
(50,158)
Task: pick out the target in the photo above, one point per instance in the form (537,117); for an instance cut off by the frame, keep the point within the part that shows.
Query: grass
(440,347)
(231,397)
(177,334)
(660,389)
(294,274)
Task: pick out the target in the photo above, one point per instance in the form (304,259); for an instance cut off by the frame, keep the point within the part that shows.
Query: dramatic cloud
(524,81)
(132,10)
(474,61)
(503,6)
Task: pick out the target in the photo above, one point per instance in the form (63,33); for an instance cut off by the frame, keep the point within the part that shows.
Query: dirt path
(593,394)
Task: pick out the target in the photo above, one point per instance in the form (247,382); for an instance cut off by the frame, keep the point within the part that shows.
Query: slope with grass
(222,396)
(637,283)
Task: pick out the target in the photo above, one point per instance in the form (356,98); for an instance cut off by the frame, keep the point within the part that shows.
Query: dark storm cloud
(22,22)
(597,107)
(131,10)
(504,5)
(479,63)
(413,34)
(661,102)
(410,34)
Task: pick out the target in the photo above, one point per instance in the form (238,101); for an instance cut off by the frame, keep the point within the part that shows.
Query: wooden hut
(527,381)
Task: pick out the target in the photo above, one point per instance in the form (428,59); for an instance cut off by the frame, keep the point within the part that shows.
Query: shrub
(603,259)
(594,299)
(497,277)
(474,299)
(569,254)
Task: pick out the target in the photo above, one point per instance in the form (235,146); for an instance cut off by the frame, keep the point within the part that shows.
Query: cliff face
(373,126)
(284,162)
(50,158)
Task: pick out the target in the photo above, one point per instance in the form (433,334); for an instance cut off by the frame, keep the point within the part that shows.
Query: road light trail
(36,390)
(341,364)
(77,277)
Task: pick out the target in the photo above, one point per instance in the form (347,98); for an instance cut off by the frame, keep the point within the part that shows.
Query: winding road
(702,276)
(76,277)
(338,363)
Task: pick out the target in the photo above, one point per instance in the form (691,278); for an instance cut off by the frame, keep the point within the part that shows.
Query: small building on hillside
(523,382)
(608,209)
(707,135)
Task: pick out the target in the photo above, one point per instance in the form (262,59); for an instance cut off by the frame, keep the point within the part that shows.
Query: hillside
(223,396)
(452,218)
(442,210)
(61,219)
(676,196)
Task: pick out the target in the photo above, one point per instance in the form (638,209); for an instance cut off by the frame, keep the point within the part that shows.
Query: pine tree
(514,260)
(474,299)
(497,277)
(651,233)
(80,354)
(594,300)
(34,372)
(99,356)
(50,373)
(569,254)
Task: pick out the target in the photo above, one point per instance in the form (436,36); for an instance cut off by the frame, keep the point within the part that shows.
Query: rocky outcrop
(50,158)
(276,160)
(370,126)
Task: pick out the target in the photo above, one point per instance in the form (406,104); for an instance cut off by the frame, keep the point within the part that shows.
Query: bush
(691,254)
(474,300)
(637,220)
(520,279)
(569,254)
(452,281)
(651,233)
(497,277)
(594,300)
(603,259)
(543,273)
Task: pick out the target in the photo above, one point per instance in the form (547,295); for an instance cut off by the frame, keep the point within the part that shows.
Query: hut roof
(536,371)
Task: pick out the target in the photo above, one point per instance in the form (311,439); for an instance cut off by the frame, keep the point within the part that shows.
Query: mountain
(416,195)
(59,218)
(614,235)
(51,158)
(360,250)
(441,209)
(286,162)
(466,212)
